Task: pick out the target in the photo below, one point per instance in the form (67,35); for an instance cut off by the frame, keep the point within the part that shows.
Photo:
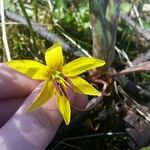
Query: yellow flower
(61,80)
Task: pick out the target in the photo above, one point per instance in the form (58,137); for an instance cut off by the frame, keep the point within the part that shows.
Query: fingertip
(80,101)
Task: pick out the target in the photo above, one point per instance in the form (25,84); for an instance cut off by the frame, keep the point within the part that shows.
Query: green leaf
(8,4)
(125,7)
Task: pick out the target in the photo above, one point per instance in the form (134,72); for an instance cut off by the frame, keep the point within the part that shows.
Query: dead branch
(142,58)
(43,32)
(137,93)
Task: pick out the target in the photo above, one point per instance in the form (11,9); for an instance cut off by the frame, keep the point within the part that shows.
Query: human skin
(20,129)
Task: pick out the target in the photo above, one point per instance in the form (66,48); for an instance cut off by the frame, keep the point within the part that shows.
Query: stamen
(56,75)
(63,85)
(63,82)
(59,88)
(62,90)
(56,85)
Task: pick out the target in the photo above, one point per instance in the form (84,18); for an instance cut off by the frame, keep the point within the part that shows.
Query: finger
(77,103)
(32,130)
(14,84)
(8,107)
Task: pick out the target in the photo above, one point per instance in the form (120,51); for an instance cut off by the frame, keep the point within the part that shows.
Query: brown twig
(89,136)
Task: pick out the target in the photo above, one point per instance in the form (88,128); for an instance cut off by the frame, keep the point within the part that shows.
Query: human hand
(20,129)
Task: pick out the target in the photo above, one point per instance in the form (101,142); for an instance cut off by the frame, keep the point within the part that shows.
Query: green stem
(104,20)
(29,24)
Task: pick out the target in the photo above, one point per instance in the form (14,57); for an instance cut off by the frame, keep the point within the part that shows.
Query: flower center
(63,85)
(59,78)
(57,75)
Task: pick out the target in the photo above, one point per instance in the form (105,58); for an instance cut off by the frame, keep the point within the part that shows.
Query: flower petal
(30,68)
(81,65)
(82,86)
(45,95)
(54,57)
(64,108)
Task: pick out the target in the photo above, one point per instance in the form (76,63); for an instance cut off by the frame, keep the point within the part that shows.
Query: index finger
(14,84)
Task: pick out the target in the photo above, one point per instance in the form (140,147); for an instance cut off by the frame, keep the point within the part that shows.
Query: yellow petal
(54,57)
(64,108)
(81,65)
(45,95)
(82,86)
(30,68)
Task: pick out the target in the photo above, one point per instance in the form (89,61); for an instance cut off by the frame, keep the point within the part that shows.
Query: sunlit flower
(59,79)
